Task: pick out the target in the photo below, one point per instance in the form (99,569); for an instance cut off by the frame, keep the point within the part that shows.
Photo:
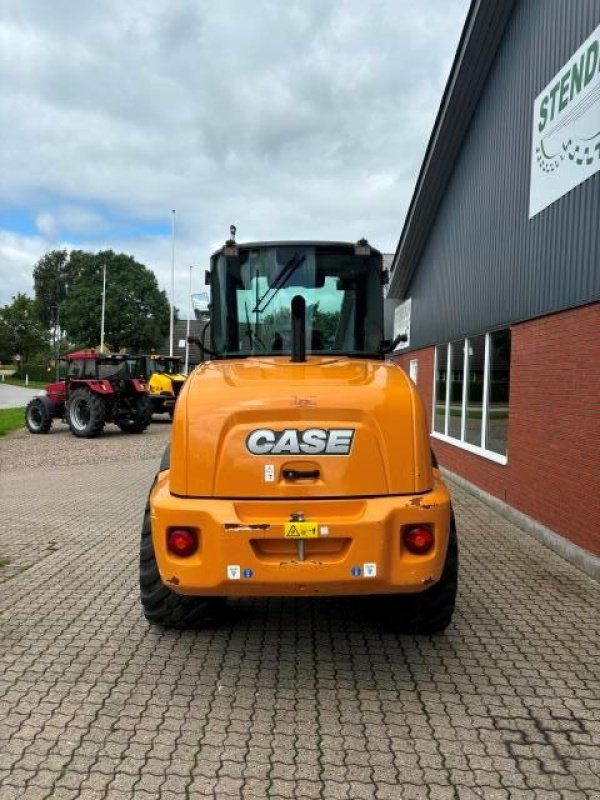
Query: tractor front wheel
(37,416)
(86,414)
(140,418)
(165,607)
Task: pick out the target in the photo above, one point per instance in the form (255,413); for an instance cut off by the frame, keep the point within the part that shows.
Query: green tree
(137,311)
(22,332)
(326,322)
(53,274)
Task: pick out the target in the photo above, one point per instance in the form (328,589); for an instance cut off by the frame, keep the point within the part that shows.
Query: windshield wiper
(282,276)
(252,335)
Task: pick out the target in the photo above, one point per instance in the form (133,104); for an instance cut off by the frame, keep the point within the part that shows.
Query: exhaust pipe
(298,329)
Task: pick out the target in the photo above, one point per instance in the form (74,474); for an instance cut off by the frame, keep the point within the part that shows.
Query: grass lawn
(11,419)
(31,385)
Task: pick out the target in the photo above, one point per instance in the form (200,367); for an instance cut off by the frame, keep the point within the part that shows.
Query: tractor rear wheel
(140,418)
(86,414)
(164,607)
(429,611)
(37,416)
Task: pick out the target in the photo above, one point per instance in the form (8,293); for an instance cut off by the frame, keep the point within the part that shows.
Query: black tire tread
(140,419)
(428,612)
(97,414)
(165,607)
(45,413)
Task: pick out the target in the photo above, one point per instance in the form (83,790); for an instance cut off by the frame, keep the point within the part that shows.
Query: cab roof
(94,355)
(295,243)
(157,357)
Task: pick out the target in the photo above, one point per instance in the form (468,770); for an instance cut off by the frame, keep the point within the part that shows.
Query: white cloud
(304,119)
(18,254)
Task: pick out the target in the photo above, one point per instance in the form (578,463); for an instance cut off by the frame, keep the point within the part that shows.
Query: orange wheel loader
(299,462)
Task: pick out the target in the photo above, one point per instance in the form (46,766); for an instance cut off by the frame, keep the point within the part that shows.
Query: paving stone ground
(288,698)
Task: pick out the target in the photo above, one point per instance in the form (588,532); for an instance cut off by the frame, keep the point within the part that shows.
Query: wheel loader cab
(299,459)
(253,288)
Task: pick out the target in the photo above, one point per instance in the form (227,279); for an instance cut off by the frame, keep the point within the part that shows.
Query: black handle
(300,474)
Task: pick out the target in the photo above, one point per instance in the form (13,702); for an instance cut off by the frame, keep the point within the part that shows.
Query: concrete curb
(580,558)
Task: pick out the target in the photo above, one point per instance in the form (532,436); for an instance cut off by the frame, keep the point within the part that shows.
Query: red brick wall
(553,470)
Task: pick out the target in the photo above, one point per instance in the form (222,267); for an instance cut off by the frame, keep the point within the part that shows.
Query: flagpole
(187,333)
(103,307)
(172,318)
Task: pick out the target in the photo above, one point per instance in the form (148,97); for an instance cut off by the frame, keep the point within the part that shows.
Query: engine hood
(328,427)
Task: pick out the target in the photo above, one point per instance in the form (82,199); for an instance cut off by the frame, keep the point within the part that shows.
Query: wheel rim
(80,413)
(35,417)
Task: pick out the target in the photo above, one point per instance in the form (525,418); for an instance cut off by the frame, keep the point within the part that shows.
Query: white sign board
(200,302)
(402,323)
(565,148)
(413,369)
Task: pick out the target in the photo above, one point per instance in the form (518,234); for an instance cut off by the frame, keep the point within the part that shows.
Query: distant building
(496,276)
(197,326)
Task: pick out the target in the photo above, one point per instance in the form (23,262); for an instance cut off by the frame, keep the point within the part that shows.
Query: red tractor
(97,389)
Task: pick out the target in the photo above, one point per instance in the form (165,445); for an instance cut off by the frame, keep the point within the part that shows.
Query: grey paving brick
(289,698)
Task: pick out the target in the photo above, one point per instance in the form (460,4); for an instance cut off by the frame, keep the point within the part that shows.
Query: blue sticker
(248,573)
(355,572)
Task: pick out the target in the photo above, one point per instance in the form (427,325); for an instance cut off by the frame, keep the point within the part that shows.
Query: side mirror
(388,346)
(207,277)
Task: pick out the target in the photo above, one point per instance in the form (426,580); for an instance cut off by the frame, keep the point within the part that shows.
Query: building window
(439,410)
(474,391)
(472,381)
(499,371)
(456,389)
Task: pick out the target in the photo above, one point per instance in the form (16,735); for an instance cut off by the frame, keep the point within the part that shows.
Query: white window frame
(461,443)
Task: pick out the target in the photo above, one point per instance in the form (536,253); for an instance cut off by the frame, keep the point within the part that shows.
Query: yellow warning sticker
(301,530)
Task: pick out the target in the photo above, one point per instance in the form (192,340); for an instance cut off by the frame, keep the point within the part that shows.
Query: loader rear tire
(425,612)
(164,607)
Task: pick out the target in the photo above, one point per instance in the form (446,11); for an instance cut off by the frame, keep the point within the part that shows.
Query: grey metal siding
(486,263)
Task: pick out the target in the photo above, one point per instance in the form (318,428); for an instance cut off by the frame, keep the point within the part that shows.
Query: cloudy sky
(299,119)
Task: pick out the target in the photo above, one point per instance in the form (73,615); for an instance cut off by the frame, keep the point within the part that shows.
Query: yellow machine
(165,380)
(299,462)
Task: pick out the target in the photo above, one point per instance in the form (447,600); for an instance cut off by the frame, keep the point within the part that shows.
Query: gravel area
(60,448)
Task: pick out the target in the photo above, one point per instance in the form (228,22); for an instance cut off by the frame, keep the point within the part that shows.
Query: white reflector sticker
(370,570)
(233,572)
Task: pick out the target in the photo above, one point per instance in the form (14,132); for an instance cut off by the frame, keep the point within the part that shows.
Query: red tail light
(418,540)
(182,542)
